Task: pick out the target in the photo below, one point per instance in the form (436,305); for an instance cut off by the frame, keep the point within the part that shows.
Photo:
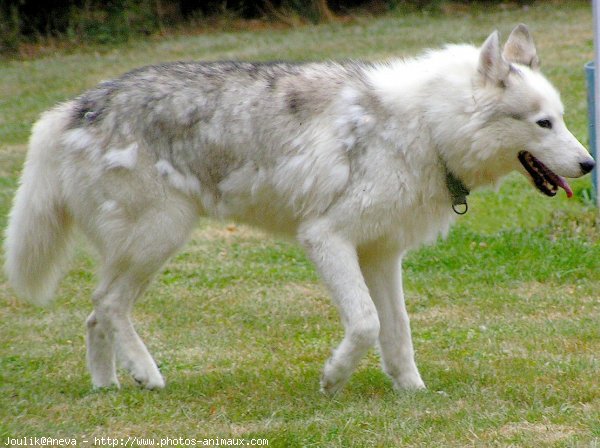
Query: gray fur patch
(200,116)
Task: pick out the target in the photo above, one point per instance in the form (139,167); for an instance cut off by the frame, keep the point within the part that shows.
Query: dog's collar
(457,189)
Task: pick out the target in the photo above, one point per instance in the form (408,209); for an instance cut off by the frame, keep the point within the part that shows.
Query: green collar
(457,189)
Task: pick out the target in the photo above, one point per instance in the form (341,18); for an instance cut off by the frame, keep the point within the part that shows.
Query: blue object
(589,75)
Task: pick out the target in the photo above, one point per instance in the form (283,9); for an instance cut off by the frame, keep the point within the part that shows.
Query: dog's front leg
(337,262)
(383,275)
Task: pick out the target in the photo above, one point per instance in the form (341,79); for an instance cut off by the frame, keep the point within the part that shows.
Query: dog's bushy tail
(38,236)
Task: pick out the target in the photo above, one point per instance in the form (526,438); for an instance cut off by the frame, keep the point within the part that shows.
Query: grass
(505,311)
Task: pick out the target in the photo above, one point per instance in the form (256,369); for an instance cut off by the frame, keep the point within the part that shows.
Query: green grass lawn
(505,312)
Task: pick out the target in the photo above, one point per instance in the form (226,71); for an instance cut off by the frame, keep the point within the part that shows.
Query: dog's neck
(457,189)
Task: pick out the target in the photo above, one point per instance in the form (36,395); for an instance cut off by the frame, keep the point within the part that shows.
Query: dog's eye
(546,124)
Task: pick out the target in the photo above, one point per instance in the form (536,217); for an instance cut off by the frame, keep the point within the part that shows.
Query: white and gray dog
(359,161)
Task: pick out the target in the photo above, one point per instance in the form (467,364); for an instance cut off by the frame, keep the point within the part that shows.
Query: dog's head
(525,114)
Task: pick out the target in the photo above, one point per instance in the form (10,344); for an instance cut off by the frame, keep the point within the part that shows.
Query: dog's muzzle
(543,177)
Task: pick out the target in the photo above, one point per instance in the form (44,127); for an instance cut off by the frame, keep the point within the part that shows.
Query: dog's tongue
(562,183)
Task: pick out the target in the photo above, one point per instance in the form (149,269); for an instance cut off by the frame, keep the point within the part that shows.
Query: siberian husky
(359,161)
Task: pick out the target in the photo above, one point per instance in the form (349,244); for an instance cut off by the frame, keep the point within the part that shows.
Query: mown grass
(505,312)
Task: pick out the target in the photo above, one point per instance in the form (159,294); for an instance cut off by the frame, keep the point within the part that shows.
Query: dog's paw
(333,380)
(104,379)
(106,386)
(411,381)
(149,380)
(331,387)
(151,384)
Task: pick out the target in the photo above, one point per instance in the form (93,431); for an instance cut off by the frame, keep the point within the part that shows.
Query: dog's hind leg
(129,265)
(383,274)
(101,352)
(111,332)
(337,262)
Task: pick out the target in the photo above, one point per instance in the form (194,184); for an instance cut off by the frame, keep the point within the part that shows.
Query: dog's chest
(397,201)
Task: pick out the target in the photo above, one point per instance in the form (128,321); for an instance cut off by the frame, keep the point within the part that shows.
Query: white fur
(354,172)
(78,140)
(186,184)
(121,158)
(38,236)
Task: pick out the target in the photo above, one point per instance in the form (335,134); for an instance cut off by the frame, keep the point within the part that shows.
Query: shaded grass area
(505,311)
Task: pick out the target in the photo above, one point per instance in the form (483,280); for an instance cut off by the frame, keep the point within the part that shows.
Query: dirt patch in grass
(542,432)
(227,232)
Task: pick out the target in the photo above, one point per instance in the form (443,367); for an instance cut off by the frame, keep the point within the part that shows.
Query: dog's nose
(587,166)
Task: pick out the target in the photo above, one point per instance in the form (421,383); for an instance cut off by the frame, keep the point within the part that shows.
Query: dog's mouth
(543,177)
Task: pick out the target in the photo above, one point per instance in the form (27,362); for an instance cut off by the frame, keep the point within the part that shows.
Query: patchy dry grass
(505,312)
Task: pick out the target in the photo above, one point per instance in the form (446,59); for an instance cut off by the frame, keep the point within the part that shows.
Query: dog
(359,161)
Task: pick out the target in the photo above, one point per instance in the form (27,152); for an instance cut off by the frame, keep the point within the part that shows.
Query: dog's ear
(492,64)
(520,48)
